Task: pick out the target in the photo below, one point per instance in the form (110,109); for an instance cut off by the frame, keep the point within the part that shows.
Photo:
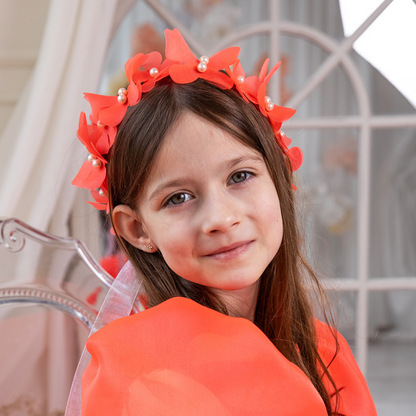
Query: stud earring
(149,246)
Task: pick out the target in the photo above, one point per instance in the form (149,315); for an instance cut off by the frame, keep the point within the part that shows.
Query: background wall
(21,27)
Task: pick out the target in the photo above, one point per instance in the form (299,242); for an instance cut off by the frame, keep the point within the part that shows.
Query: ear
(129,226)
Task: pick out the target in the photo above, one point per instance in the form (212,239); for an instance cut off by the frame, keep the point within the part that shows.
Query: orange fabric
(355,396)
(180,358)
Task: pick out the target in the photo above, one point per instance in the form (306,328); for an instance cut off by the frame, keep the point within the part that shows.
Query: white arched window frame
(338,55)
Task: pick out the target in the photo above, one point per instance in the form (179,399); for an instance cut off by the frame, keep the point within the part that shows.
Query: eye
(178,199)
(240,176)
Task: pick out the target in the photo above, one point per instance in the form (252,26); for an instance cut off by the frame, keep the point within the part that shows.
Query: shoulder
(338,358)
(335,351)
(162,322)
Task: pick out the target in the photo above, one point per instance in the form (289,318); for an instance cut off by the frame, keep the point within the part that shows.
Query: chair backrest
(13,234)
(68,304)
(41,276)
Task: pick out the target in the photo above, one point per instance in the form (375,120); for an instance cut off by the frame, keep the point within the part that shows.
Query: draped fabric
(181,358)
(117,304)
(39,156)
(38,146)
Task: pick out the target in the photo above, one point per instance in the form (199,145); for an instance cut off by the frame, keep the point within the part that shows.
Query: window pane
(327,197)
(393,203)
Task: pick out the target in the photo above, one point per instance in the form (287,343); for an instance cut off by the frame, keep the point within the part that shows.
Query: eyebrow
(238,160)
(177,183)
(182,181)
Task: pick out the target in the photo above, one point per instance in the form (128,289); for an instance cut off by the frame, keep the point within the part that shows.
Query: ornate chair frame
(13,234)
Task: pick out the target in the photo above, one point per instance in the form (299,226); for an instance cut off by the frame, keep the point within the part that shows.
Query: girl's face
(211,208)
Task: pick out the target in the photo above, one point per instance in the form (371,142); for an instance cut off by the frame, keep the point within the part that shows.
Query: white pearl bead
(99,124)
(91,158)
(96,163)
(240,79)
(122,91)
(204,59)
(122,99)
(267,99)
(269,106)
(202,67)
(282,134)
(101,192)
(153,72)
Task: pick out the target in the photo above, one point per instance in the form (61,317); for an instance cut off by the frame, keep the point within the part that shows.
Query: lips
(235,247)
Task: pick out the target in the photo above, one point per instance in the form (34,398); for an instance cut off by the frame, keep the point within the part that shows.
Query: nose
(219,215)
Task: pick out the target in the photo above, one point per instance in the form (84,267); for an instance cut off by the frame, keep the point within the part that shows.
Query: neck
(242,302)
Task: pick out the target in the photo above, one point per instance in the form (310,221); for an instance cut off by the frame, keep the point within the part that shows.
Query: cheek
(172,242)
(272,214)
(274,225)
(268,207)
(270,217)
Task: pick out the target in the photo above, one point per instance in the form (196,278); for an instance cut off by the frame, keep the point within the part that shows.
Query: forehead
(194,144)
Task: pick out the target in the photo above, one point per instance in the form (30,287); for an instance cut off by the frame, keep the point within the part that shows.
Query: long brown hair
(283,310)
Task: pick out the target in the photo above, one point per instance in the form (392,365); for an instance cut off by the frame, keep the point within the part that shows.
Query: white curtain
(39,156)
(38,147)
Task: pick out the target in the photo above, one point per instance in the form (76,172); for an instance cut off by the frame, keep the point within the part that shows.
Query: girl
(196,174)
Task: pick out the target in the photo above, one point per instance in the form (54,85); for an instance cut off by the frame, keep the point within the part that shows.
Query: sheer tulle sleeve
(355,396)
(180,358)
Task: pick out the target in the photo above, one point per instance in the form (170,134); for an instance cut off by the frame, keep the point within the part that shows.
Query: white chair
(13,233)
(41,355)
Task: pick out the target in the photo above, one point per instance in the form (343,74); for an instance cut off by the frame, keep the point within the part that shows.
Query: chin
(234,284)
(235,278)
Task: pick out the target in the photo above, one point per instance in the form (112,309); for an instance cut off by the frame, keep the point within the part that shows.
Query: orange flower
(101,200)
(92,173)
(276,113)
(109,111)
(294,154)
(94,138)
(90,176)
(238,76)
(192,68)
(255,91)
(155,70)
(134,90)
(252,84)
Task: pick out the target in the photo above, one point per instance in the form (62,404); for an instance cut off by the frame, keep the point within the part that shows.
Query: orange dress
(181,358)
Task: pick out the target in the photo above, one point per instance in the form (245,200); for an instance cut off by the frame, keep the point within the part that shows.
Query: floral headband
(181,65)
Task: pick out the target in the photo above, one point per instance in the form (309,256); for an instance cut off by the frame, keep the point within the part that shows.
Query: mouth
(231,251)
